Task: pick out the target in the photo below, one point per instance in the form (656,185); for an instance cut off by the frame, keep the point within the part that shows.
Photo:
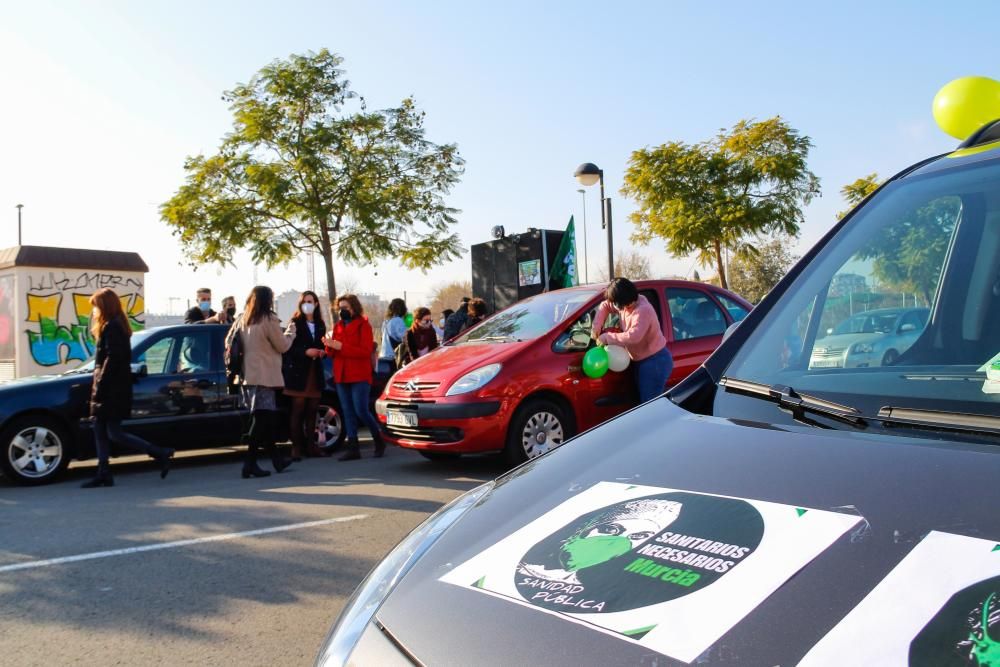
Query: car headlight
(861,348)
(368,597)
(474,380)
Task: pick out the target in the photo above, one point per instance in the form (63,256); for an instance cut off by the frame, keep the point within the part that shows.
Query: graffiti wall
(54,314)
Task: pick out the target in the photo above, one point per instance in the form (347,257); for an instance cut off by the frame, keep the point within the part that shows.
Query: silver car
(874,338)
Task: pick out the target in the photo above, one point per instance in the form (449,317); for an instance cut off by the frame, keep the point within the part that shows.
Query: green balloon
(595,362)
(408,319)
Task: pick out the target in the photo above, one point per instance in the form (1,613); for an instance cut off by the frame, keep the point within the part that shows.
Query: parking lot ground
(204,568)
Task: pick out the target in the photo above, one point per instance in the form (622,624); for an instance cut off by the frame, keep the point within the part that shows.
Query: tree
(300,172)
(449,295)
(747,181)
(856,192)
(752,274)
(629,265)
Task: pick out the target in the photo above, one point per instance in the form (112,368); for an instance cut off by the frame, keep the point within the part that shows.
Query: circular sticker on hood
(966,631)
(639,552)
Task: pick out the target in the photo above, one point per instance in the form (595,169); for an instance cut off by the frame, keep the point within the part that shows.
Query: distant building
(45,304)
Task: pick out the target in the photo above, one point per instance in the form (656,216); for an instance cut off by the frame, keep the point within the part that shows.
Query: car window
(694,314)
(736,310)
(924,251)
(528,319)
(157,355)
(577,336)
(195,353)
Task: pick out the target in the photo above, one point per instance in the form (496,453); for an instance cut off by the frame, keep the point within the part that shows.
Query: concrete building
(45,309)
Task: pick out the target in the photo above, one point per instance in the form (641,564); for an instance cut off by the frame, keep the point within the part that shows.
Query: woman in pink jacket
(641,336)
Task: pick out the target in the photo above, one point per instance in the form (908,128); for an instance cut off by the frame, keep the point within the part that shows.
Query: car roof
(959,157)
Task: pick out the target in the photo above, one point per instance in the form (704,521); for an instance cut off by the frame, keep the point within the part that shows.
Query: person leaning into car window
(111,392)
(641,336)
(263,343)
(304,376)
(475,313)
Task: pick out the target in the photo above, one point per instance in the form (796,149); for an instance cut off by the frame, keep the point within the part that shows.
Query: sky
(102,102)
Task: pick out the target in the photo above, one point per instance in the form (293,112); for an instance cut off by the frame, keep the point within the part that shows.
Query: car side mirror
(140,370)
(580,338)
(907,328)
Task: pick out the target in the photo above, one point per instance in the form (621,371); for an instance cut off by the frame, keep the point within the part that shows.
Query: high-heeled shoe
(280,464)
(100,480)
(254,471)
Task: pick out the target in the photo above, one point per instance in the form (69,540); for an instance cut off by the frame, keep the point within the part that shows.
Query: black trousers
(107,431)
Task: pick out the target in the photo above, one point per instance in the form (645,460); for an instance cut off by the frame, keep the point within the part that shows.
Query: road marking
(180,543)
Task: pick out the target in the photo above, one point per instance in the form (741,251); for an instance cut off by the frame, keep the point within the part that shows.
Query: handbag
(233,356)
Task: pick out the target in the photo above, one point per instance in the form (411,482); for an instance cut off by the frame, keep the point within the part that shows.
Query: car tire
(330,431)
(437,457)
(27,462)
(537,426)
(890,357)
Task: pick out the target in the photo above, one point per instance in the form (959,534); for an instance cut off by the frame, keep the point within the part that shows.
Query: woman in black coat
(302,368)
(111,393)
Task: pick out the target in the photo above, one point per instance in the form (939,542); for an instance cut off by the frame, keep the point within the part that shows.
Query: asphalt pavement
(204,568)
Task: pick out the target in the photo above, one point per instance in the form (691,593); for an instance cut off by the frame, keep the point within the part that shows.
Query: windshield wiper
(798,404)
(939,420)
(496,339)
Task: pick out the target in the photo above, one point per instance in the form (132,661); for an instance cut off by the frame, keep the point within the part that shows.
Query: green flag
(563,273)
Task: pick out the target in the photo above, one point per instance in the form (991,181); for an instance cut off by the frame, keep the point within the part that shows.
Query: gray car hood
(891,491)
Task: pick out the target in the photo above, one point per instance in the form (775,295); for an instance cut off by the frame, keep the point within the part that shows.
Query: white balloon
(618,358)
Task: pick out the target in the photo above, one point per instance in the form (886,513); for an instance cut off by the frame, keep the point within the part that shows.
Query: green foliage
(746,181)
(856,192)
(754,272)
(300,172)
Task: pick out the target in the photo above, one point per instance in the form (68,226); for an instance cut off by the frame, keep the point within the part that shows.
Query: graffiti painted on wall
(58,313)
(6,317)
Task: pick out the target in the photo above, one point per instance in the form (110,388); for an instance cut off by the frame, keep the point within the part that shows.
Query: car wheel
(329,429)
(439,456)
(537,427)
(35,450)
(890,357)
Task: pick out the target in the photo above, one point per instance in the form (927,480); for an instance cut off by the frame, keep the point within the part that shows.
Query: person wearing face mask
(421,338)
(351,344)
(442,323)
(302,367)
(229,308)
(641,336)
(203,313)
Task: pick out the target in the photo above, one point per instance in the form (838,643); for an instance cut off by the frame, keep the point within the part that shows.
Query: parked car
(181,400)
(514,383)
(764,511)
(874,338)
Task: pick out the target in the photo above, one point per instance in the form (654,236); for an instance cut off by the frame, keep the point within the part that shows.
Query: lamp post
(19,207)
(586,269)
(587,174)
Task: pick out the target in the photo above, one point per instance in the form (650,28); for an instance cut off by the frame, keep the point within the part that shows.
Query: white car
(873,338)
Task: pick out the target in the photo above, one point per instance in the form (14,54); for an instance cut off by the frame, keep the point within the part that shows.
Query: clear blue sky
(102,102)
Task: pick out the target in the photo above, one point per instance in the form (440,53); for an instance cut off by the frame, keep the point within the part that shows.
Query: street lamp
(19,207)
(587,174)
(586,270)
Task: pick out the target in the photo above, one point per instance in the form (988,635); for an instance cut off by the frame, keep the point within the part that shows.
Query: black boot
(268,436)
(103,478)
(250,467)
(164,460)
(379,443)
(353,450)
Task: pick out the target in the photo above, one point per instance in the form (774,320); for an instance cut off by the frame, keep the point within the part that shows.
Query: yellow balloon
(964,105)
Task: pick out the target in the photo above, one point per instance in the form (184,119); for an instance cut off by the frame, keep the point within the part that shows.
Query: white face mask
(308,308)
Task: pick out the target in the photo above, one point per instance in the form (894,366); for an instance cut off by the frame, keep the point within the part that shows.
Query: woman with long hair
(263,343)
(421,337)
(304,376)
(351,344)
(393,331)
(111,393)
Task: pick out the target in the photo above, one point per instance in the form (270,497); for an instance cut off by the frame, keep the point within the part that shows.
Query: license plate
(397,418)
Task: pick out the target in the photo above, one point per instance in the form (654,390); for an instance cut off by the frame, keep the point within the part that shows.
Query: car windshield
(918,269)
(528,319)
(138,339)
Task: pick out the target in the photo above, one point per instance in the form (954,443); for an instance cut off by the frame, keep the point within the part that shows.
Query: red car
(514,382)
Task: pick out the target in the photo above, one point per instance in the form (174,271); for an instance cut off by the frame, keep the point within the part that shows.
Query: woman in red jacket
(351,345)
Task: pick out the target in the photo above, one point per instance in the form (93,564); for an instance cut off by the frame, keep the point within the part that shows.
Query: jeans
(107,431)
(651,374)
(354,407)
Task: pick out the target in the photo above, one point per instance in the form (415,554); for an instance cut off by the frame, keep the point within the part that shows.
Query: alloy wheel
(35,452)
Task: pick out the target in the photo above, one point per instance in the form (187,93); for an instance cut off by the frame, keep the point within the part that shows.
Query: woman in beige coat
(263,343)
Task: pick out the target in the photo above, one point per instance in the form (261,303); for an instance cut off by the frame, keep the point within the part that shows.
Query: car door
(176,403)
(696,327)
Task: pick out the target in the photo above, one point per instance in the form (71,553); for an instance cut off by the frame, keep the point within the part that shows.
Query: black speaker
(515,267)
